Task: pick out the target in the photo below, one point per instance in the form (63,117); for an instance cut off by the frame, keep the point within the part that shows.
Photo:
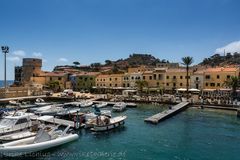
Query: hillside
(221,60)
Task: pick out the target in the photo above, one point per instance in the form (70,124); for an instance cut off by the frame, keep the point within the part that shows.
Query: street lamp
(5,50)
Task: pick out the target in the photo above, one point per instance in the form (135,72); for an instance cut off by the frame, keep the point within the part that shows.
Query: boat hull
(13,149)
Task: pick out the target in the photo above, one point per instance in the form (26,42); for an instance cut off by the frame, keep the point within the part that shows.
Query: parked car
(67,92)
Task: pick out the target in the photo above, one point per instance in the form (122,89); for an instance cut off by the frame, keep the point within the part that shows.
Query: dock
(51,119)
(167,113)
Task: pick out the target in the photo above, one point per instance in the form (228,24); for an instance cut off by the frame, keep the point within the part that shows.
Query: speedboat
(102,105)
(106,123)
(17,121)
(84,104)
(49,110)
(119,107)
(72,104)
(42,141)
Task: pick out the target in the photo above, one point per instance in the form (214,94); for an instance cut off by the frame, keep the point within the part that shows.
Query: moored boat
(41,141)
(84,104)
(102,105)
(106,123)
(119,107)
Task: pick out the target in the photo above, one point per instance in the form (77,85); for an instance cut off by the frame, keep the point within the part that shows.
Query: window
(174,77)
(212,84)
(143,77)
(207,77)
(50,78)
(128,85)
(110,79)
(228,76)
(154,76)
(157,83)
(197,78)
(85,79)
(167,84)
(20,121)
(103,79)
(115,85)
(110,84)
(80,78)
(206,84)
(167,77)
(91,78)
(124,85)
(218,76)
(150,77)
(181,77)
(174,84)
(132,78)
(159,76)
(115,79)
(180,84)
(218,84)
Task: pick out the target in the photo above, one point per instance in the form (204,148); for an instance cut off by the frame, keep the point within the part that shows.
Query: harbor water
(194,134)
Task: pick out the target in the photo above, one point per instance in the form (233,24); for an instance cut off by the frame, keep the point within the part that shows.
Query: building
(167,65)
(214,78)
(18,75)
(177,78)
(141,69)
(130,79)
(83,81)
(31,68)
(197,80)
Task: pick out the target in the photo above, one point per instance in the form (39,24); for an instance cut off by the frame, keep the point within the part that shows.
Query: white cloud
(229,48)
(19,53)
(14,59)
(37,54)
(62,60)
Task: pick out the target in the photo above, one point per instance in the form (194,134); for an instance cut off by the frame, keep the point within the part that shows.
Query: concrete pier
(238,113)
(167,113)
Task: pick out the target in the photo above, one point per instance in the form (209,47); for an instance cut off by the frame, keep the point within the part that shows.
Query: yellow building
(139,69)
(214,78)
(47,77)
(176,78)
(109,80)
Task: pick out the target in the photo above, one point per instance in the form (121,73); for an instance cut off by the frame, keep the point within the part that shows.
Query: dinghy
(102,105)
(41,141)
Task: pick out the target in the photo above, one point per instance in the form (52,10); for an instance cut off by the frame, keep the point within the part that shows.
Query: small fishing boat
(72,104)
(17,121)
(131,105)
(102,105)
(42,141)
(119,107)
(105,123)
(85,104)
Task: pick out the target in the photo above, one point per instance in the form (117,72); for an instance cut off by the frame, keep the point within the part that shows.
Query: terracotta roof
(53,74)
(220,69)
(88,73)
(176,70)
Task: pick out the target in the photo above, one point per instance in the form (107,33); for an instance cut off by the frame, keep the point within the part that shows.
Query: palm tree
(76,63)
(187,61)
(141,84)
(233,83)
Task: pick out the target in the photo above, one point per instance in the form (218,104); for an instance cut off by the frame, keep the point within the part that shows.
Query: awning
(182,89)
(194,90)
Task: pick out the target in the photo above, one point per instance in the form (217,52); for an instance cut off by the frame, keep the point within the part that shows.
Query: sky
(63,31)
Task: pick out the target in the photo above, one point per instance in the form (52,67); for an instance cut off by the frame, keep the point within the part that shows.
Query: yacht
(119,107)
(17,121)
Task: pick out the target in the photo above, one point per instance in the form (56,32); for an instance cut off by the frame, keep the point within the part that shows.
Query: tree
(54,85)
(76,63)
(187,61)
(108,62)
(141,84)
(233,83)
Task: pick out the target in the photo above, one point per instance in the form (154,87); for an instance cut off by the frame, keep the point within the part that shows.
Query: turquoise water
(191,135)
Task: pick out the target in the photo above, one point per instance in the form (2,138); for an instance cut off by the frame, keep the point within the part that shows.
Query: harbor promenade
(167,113)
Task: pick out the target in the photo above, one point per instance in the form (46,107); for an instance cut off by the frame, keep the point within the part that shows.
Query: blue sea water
(191,135)
(9,82)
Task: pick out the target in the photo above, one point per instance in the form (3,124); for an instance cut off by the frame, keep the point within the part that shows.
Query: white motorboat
(41,141)
(67,111)
(119,107)
(17,121)
(105,124)
(131,105)
(92,115)
(49,110)
(40,102)
(102,105)
(84,104)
